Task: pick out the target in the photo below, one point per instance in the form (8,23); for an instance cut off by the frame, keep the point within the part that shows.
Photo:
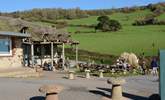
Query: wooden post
(63,56)
(52,54)
(77,57)
(32,54)
(41,55)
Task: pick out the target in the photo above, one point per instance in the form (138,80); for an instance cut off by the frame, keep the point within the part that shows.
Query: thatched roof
(39,32)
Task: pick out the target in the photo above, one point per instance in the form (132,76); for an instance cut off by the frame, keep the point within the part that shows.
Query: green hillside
(130,38)
(137,39)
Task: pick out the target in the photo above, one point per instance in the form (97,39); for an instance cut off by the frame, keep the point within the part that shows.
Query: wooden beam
(50,42)
(45,42)
(63,56)
(52,55)
(77,57)
(41,55)
(58,43)
(27,43)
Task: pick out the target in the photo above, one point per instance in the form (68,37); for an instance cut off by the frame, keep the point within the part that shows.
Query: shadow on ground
(65,77)
(101,91)
(37,98)
(80,76)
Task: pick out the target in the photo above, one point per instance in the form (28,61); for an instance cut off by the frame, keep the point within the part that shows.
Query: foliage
(105,24)
(61,24)
(114,25)
(149,21)
(48,14)
(157,8)
(75,13)
(103,19)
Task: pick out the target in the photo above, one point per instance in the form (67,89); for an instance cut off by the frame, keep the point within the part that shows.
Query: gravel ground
(136,88)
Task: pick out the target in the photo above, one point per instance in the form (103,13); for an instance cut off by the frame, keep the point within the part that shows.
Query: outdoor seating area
(48,51)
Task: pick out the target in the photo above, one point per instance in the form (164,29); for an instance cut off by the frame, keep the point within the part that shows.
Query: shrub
(61,24)
(148,21)
(162,22)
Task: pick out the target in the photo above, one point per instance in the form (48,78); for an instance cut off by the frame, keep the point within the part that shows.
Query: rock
(124,72)
(87,73)
(71,75)
(116,88)
(113,71)
(131,58)
(51,91)
(101,73)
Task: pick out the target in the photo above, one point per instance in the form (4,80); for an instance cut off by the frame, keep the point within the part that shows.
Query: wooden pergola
(51,39)
(42,34)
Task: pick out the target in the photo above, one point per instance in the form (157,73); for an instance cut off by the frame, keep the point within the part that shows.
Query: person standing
(143,67)
(154,66)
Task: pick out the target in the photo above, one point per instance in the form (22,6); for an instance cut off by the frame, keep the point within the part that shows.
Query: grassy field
(130,38)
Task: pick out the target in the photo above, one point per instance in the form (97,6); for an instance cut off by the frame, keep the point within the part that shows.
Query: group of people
(56,63)
(122,64)
(47,66)
(153,66)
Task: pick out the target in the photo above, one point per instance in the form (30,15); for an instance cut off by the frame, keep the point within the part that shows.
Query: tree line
(52,14)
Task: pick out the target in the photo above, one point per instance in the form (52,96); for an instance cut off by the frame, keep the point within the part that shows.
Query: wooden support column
(32,54)
(41,55)
(52,55)
(63,56)
(77,56)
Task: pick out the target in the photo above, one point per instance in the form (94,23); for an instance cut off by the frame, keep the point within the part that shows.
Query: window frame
(10,47)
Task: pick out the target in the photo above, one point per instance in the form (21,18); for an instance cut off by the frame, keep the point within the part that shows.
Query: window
(5,47)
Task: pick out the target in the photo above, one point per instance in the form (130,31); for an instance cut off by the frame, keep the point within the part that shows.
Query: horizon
(19,5)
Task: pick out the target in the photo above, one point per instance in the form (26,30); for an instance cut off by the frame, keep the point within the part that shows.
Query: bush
(162,22)
(61,24)
(148,21)
(77,32)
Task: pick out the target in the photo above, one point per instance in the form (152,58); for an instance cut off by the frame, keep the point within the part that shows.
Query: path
(136,88)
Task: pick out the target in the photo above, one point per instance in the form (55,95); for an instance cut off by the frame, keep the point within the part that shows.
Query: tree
(103,18)
(105,24)
(114,25)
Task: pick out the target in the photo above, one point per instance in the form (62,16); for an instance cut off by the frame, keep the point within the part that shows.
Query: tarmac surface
(136,87)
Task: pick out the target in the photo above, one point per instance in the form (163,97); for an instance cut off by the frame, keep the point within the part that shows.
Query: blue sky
(15,5)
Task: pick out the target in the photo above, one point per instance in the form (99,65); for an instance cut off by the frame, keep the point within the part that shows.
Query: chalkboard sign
(162,74)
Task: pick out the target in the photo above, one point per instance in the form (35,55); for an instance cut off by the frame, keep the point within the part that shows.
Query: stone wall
(16,59)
